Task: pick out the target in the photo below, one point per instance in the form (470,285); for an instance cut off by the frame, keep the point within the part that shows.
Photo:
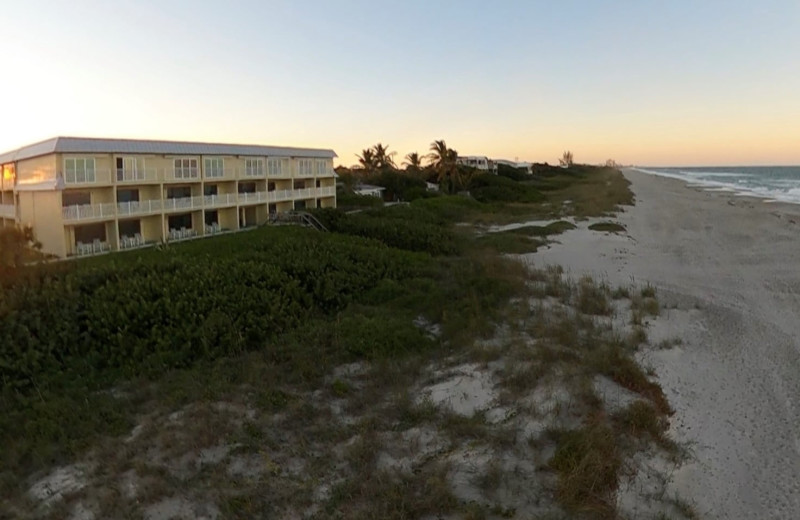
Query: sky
(684,82)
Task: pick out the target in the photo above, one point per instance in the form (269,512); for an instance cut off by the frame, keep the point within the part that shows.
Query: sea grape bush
(144,312)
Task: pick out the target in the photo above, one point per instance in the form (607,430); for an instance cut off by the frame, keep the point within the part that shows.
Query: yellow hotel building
(85,196)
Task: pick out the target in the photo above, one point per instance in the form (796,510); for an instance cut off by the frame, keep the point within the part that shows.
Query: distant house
(480,162)
(430,186)
(369,190)
(516,164)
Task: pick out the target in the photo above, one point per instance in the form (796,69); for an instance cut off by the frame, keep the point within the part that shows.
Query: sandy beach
(726,268)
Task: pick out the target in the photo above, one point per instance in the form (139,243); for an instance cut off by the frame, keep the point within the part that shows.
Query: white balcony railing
(226,173)
(104,176)
(147,207)
(183,203)
(91,248)
(89,211)
(186,175)
(181,234)
(305,193)
(130,242)
(7,211)
(217,201)
(254,173)
(279,195)
(137,175)
(93,176)
(252,198)
(136,207)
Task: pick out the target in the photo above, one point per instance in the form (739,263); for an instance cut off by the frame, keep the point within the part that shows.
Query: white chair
(138,239)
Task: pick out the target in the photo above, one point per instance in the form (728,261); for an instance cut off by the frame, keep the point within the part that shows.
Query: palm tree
(566,159)
(367,160)
(383,157)
(445,162)
(413,162)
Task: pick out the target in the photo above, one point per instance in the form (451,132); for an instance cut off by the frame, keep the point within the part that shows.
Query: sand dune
(728,273)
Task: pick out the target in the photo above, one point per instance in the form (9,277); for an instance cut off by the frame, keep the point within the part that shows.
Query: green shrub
(346,199)
(494,188)
(144,313)
(398,185)
(516,174)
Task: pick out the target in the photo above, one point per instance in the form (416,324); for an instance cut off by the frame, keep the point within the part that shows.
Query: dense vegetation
(299,300)
(71,329)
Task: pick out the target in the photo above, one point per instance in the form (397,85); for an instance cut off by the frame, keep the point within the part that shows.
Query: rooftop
(138,146)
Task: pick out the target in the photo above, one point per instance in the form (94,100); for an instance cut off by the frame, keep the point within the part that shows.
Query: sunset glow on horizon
(640,82)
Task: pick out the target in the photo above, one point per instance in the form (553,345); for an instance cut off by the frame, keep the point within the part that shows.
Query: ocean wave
(743,184)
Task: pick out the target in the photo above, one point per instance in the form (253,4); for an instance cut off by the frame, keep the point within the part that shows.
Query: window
(75,198)
(185,168)
(179,192)
(210,189)
(274,167)
(304,166)
(322,167)
(79,170)
(213,167)
(247,187)
(127,195)
(254,167)
(8,174)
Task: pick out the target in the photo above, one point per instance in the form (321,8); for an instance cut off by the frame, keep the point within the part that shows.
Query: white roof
(137,146)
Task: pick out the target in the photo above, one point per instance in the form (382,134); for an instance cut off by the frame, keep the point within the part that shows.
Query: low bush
(588,464)
(493,188)
(345,199)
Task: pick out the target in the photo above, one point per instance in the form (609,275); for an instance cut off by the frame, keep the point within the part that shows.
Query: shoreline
(726,269)
(710,186)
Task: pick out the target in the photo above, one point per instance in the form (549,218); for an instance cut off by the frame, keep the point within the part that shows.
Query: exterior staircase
(298,218)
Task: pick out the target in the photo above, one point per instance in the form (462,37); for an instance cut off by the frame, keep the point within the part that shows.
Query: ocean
(772,183)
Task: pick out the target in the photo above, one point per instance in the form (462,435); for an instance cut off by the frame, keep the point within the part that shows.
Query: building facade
(516,164)
(480,162)
(86,196)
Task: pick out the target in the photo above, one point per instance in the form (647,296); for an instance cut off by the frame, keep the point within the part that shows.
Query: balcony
(227,174)
(306,193)
(280,195)
(326,191)
(89,212)
(92,248)
(181,234)
(253,198)
(219,201)
(183,175)
(7,211)
(131,242)
(183,203)
(88,177)
(253,173)
(144,207)
(138,175)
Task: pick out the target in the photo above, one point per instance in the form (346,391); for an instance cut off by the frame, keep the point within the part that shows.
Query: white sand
(730,267)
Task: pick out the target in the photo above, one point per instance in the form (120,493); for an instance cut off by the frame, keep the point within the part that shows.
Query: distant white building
(516,164)
(480,162)
(369,189)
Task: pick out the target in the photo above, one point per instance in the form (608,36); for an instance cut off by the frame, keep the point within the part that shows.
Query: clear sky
(675,82)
